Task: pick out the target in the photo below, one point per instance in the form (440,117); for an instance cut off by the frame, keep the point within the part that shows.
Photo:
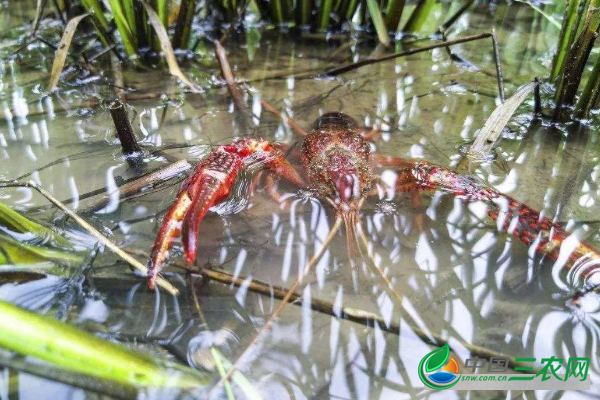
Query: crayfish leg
(423,176)
(169,230)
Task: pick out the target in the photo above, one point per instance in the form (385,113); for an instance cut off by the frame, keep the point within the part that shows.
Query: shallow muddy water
(457,277)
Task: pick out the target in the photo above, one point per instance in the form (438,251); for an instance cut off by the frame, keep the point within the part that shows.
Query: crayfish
(338,165)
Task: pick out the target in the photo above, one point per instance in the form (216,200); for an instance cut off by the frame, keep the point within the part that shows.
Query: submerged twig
(137,185)
(232,87)
(355,315)
(295,127)
(129,145)
(92,231)
(290,293)
(356,65)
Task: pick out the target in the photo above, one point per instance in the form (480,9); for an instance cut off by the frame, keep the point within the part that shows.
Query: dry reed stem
(92,231)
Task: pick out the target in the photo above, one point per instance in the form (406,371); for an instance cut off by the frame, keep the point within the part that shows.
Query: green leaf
(17,252)
(40,245)
(420,15)
(378,22)
(552,20)
(123,27)
(14,221)
(437,358)
(70,348)
(60,56)
(239,379)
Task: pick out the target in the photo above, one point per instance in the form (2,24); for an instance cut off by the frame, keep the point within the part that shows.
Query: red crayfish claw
(209,184)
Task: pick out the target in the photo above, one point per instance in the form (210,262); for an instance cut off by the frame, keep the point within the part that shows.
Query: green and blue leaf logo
(438,370)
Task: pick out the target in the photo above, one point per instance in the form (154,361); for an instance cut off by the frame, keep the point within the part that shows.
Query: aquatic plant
(133,22)
(23,241)
(577,37)
(384,17)
(139,39)
(75,350)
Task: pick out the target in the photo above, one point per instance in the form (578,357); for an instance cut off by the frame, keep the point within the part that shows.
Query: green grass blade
(122,27)
(184,24)
(17,252)
(75,350)
(591,91)
(565,38)
(575,62)
(163,12)
(582,12)
(419,15)
(130,16)
(377,18)
(351,9)
(393,14)
(552,20)
(222,372)
(324,15)
(238,378)
(16,222)
(277,11)
(95,8)
(303,11)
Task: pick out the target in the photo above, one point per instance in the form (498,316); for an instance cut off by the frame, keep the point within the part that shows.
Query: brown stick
(129,145)
(295,127)
(234,91)
(137,185)
(446,25)
(362,317)
(356,65)
(358,316)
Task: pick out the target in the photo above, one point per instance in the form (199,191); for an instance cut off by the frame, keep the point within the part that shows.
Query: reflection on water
(454,275)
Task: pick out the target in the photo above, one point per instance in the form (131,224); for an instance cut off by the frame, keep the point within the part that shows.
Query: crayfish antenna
(350,219)
(353,246)
(370,260)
